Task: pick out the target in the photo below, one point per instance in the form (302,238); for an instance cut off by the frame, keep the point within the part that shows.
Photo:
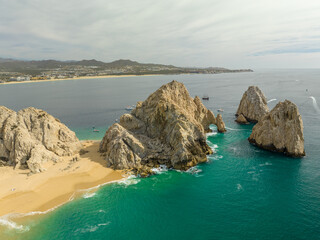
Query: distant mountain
(122,66)
(11,64)
(123,63)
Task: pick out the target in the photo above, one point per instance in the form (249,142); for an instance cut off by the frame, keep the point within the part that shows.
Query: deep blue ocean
(242,192)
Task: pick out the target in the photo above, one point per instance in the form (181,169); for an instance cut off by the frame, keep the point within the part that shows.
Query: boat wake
(271,100)
(315,104)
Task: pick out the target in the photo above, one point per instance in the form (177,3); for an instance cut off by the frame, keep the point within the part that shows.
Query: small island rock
(167,128)
(220,124)
(31,137)
(280,130)
(253,105)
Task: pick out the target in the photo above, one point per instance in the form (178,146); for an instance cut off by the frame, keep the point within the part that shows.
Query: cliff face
(280,130)
(253,105)
(167,128)
(31,136)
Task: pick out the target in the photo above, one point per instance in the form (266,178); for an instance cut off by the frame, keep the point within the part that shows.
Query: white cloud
(234,33)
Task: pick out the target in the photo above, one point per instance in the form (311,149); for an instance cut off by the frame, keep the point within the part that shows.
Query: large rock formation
(280,130)
(168,128)
(253,105)
(31,137)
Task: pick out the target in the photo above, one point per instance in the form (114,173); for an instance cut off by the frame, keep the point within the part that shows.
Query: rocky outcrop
(167,128)
(241,119)
(220,124)
(31,137)
(253,105)
(280,130)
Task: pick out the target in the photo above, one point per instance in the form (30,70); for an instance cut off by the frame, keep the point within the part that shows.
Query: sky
(202,33)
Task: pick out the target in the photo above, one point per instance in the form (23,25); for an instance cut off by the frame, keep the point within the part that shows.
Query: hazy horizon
(233,34)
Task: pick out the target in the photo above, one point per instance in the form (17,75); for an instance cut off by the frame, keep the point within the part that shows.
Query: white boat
(130,108)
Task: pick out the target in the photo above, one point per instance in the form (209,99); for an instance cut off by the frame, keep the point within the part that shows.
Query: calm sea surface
(241,193)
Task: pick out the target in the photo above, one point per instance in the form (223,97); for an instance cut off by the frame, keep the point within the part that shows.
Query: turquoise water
(242,192)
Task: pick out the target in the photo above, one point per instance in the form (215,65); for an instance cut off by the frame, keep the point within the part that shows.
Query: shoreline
(79,78)
(111,76)
(21,194)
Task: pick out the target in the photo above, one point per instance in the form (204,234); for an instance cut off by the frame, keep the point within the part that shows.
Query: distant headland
(12,70)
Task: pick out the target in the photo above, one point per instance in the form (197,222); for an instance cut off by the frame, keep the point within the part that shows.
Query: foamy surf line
(7,220)
(233,129)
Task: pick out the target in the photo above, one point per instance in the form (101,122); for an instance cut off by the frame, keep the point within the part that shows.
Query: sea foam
(88,195)
(131,180)
(161,169)
(4,221)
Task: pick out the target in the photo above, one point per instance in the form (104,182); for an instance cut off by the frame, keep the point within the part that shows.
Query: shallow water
(241,193)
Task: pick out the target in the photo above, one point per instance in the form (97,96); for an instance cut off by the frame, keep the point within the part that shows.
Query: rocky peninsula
(281,130)
(32,141)
(252,107)
(167,128)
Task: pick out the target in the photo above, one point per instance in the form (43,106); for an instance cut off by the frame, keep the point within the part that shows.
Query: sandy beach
(24,193)
(79,78)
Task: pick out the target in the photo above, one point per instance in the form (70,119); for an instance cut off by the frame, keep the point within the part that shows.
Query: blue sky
(229,33)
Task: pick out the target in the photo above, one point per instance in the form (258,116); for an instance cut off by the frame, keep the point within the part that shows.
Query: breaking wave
(161,169)
(88,195)
(131,180)
(194,171)
(4,221)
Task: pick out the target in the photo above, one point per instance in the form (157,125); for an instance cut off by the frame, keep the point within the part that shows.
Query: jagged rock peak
(167,128)
(253,104)
(31,137)
(280,130)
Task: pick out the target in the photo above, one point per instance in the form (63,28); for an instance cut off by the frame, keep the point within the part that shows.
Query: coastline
(21,193)
(79,78)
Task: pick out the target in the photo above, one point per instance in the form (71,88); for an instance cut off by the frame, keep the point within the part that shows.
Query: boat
(130,108)
(205,97)
(94,129)
(220,110)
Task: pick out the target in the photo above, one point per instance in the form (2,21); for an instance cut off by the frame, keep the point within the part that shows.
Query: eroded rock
(167,128)
(280,130)
(220,124)
(253,105)
(32,136)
